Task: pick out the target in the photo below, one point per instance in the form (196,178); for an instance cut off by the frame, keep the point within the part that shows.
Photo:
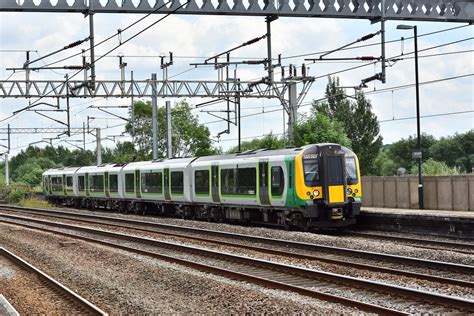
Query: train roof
(101,168)
(183,162)
(270,152)
(162,163)
(254,153)
(60,171)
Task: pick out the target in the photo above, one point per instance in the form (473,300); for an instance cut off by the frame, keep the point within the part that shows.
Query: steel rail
(284,243)
(456,302)
(76,298)
(287,253)
(224,272)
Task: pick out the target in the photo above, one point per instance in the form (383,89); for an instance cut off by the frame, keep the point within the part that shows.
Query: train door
(215,182)
(106,184)
(64,185)
(336,183)
(49,185)
(86,183)
(263,182)
(138,190)
(166,184)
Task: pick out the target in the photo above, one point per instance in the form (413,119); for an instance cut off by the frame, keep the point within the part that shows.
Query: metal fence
(440,192)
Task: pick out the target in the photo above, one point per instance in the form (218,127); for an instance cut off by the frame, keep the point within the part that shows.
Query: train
(315,186)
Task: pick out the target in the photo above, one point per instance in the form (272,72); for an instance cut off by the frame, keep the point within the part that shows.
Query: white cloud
(208,35)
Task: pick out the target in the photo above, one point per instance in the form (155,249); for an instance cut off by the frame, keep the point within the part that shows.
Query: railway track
(46,288)
(322,285)
(457,246)
(377,262)
(414,267)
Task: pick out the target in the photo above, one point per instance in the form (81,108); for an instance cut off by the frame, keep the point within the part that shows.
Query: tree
(122,153)
(358,120)
(189,138)
(401,151)
(30,172)
(268,141)
(455,151)
(319,128)
(384,165)
(78,158)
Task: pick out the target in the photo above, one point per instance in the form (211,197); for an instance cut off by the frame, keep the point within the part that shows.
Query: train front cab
(322,187)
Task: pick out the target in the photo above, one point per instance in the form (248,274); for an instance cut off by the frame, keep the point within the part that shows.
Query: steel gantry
(143,88)
(420,10)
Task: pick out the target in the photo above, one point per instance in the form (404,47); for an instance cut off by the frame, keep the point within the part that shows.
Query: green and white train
(314,186)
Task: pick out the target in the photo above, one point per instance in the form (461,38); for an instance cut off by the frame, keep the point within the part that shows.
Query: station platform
(431,222)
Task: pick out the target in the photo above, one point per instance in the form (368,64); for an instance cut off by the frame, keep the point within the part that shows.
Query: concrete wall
(439,192)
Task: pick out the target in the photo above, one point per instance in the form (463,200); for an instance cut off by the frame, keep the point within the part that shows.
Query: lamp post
(417,85)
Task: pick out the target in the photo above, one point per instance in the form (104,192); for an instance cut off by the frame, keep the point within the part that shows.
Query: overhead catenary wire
(122,43)
(119,32)
(405,57)
(376,44)
(365,93)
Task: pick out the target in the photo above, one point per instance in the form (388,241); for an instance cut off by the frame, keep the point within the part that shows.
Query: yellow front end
(354,190)
(336,194)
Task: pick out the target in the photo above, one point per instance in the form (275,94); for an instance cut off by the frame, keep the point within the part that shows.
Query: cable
(375,62)
(394,57)
(376,44)
(126,41)
(118,32)
(425,116)
(369,92)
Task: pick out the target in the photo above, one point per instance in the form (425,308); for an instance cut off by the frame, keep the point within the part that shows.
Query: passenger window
(177,182)
(152,182)
(69,182)
(113,183)
(278,180)
(96,183)
(80,183)
(228,181)
(240,181)
(129,183)
(201,181)
(246,181)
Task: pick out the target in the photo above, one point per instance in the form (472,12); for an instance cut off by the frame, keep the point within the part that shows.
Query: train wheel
(139,209)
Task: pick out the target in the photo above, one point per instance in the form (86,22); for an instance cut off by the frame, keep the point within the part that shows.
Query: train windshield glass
(351,171)
(311,172)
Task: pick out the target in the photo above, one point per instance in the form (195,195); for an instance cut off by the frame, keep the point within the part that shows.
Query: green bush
(18,193)
(436,168)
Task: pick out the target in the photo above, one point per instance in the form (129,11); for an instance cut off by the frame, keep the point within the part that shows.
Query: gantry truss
(421,10)
(144,88)
(34,130)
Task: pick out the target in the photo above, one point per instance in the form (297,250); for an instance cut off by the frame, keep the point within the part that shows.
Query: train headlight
(349,191)
(316,193)
(356,191)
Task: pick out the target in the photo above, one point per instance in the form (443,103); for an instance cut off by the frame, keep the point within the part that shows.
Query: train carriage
(311,186)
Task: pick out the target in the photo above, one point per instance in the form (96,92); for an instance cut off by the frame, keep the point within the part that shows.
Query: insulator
(367,58)
(368,36)
(254,40)
(74,44)
(74,67)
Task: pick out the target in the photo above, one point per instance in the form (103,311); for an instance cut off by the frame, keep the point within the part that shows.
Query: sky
(443,55)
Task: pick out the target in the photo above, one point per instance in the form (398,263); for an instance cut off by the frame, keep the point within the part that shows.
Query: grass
(35,203)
